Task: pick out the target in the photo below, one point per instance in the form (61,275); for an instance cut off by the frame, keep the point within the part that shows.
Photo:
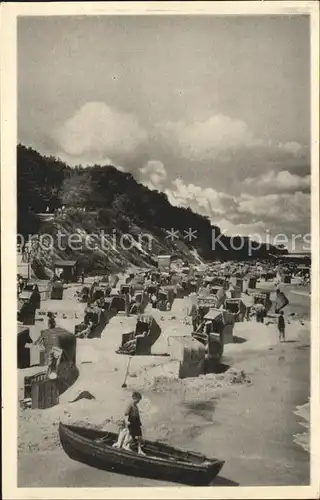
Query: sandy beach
(245,416)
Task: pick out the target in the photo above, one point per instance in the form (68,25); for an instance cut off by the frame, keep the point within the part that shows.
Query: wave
(302,439)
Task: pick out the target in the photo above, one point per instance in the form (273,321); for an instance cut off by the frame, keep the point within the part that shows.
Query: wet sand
(258,424)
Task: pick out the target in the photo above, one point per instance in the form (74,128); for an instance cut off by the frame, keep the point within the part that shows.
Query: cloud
(250,185)
(88,161)
(96,131)
(223,142)
(153,175)
(206,201)
(205,140)
(273,181)
(245,215)
(244,229)
(293,208)
(292,147)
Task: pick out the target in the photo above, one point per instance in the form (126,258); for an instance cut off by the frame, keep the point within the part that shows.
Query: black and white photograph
(165,267)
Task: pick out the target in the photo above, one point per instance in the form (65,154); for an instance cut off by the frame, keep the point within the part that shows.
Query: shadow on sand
(303,347)
(223,481)
(215,367)
(238,340)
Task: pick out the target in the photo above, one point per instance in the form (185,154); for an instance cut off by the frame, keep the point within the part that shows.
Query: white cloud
(282,209)
(222,138)
(226,147)
(204,140)
(245,215)
(97,130)
(92,160)
(292,147)
(273,181)
(153,175)
(206,201)
(249,229)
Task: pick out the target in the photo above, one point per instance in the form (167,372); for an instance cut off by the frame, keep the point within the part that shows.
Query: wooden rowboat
(94,447)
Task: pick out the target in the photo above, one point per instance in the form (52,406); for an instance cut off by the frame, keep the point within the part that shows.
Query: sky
(212,110)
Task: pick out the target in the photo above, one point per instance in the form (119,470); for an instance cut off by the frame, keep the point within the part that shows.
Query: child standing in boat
(133,422)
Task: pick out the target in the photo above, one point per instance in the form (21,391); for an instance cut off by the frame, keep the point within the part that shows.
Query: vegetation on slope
(117,203)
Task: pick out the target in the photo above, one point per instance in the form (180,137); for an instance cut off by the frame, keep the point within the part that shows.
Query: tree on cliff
(77,190)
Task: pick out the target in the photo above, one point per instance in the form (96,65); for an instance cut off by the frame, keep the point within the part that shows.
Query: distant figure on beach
(100,302)
(51,320)
(281,327)
(127,304)
(88,330)
(260,313)
(133,423)
(195,318)
(20,283)
(153,299)
(82,277)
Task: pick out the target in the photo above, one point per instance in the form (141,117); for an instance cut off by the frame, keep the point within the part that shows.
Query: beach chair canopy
(235,305)
(25,295)
(57,285)
(212,315)
(30,287)
(61,338)
(147,323)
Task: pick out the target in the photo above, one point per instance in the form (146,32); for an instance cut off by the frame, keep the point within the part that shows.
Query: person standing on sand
(20,283)
(281,327)
(51,320)
(127,304)
(260,313)
(133,423)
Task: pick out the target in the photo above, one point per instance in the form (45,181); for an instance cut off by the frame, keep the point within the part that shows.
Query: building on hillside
(164,263)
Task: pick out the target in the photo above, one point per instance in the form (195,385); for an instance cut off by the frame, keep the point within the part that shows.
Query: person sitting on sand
(85,333)
(100,302)
(281,327)
(153,299)
(130,346)
(133,423)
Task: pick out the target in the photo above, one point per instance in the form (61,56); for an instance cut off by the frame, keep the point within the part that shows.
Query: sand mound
(198,387)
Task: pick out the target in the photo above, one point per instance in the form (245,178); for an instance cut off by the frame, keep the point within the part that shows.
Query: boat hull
(198,471)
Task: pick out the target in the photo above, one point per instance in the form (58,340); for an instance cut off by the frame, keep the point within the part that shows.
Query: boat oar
(127,371)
